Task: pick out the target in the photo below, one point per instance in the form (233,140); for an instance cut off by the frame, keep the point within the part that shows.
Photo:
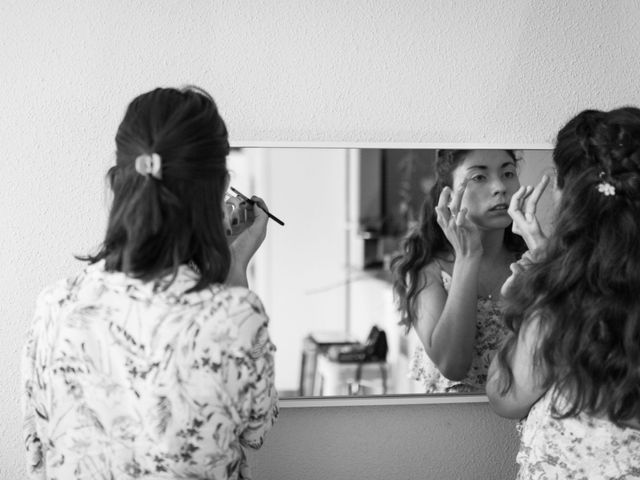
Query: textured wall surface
(492,72)
(439,442)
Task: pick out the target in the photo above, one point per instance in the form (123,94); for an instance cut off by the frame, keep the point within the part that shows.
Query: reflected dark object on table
(334,363)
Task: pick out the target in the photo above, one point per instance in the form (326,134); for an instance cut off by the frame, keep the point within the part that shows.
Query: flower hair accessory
(605,187)
(149,165)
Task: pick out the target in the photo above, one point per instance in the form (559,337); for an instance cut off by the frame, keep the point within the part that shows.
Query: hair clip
(149,165)
(606,189)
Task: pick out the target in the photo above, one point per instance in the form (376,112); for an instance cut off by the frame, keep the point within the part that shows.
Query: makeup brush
(252,202)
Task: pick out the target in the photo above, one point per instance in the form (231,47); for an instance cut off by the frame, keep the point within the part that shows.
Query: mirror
(324,276)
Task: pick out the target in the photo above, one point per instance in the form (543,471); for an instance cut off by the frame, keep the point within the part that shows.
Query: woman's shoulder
(55,293)
(433,275)
(439,269)
(237,297)
(50,300)
(240,314)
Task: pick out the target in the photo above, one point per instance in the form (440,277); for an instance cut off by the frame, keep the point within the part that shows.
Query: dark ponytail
(158,222)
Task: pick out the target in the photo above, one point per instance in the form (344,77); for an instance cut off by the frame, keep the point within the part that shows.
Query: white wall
(493,72)
(301,266)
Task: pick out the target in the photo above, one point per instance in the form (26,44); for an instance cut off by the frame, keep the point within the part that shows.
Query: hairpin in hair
(149,165)
(605,187)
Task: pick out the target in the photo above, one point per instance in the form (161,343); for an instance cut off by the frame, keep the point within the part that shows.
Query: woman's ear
(556,192)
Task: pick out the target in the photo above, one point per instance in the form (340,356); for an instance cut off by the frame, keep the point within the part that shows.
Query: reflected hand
(522,210)
(462,232)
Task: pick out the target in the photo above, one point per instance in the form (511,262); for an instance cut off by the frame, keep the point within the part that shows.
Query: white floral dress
(581,447)
(490,332)
(124,379)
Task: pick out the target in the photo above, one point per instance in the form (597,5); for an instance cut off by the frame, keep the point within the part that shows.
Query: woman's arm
(258,386)
(528,378)
(31,404)
(446,323)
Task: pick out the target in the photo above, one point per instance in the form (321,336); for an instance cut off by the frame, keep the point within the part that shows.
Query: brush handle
(252,202)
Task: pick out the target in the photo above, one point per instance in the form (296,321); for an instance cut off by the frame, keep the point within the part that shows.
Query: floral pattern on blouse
(580,447)
(490,332)
(124,379)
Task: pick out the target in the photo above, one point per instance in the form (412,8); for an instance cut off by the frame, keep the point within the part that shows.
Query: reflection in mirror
(324,277)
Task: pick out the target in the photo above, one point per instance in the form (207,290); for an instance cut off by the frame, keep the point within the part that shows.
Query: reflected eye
(510,174)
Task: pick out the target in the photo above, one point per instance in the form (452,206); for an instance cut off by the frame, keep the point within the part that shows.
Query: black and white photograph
(284,240)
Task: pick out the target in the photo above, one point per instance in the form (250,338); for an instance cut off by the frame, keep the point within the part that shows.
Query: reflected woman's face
(492,180)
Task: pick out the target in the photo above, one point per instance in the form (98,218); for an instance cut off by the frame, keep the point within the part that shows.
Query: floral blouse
(489,335)
(581,447)
(126,379)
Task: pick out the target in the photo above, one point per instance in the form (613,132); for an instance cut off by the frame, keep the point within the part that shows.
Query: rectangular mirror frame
(398,399)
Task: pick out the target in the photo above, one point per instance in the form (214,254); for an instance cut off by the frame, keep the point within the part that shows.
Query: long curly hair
(426,241)
(585,289)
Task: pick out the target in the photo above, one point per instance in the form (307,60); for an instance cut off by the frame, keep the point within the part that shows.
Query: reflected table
(350,378)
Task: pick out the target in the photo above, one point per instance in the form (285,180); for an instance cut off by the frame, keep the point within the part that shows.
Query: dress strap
(446,278)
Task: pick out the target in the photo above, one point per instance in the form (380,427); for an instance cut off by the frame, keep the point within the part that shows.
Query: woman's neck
(492,244)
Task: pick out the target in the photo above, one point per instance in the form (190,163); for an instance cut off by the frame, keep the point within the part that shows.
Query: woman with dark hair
(571,361)
(447,279)
(155,361)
